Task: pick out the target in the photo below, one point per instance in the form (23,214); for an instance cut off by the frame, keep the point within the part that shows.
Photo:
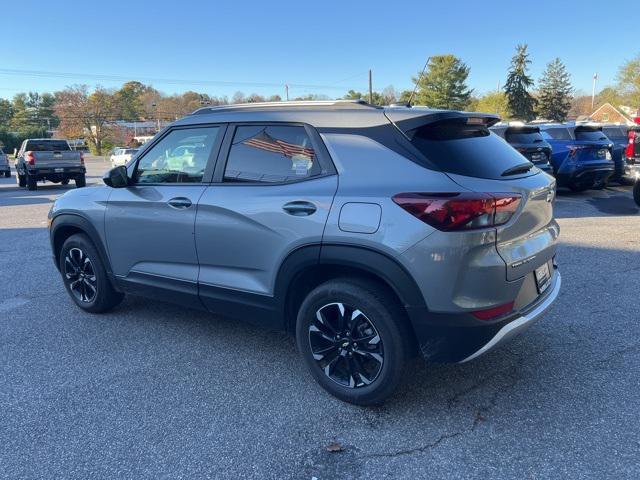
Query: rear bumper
(632,171)
(585,175)
(453,338)
(56,171)
(5,168)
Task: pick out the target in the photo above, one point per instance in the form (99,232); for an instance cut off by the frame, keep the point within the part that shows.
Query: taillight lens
(630,153)
(30,157)
(460,211)
(81,158)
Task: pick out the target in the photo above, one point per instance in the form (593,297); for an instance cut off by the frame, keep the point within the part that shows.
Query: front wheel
(21,180)
(81,181)
(636,193)
(85,277)
(354,339)
(32,182)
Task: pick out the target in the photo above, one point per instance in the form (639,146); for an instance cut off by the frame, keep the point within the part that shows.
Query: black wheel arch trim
(64,220)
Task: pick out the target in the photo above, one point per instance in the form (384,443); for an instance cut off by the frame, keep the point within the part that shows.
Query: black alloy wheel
(80,275)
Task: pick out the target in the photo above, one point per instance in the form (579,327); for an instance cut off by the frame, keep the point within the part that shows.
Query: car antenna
(418,82)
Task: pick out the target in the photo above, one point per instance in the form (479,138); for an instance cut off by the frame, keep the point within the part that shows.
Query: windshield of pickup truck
(46,145)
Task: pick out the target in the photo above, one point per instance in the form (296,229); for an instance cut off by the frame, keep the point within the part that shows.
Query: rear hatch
(592,147)
(529,142)
(462,146)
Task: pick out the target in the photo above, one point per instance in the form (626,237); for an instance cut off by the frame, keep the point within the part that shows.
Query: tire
(64,181)
(20,180)
(32,182)
(578,187)
(626,181)
(636,193)
(7,174)
(85,277)
(81,181)
(381,320)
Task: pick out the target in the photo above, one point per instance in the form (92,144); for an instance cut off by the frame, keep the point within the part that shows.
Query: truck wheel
(7,174)
(81,181)
(636,192)
(20,180)
(32,183)
(85,277)
(354,338)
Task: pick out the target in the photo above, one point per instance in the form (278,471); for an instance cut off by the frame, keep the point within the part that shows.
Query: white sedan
(121,156)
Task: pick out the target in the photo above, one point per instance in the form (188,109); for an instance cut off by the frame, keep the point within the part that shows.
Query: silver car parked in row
(371,233)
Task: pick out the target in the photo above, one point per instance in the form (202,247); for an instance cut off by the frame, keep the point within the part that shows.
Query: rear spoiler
(410,119)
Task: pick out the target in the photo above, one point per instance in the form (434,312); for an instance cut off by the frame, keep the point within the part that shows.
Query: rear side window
(559,133)
(524,137)
(271,154)
(470,150)
(47,146)
(130,151)
(590,135)
(614,132)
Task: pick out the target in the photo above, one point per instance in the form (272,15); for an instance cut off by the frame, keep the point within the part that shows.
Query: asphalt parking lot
(155,391)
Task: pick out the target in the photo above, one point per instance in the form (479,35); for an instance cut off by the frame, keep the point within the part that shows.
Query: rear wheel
(579,187)
(85,277)
(81,181)
(64,181)
(7,174)
(353,337)
(32,182)
(636,192)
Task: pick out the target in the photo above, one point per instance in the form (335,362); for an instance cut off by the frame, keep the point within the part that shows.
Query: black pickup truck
(49,159)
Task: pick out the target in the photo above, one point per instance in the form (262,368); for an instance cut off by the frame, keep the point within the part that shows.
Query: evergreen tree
(444,84)
(521,103)
(555,94)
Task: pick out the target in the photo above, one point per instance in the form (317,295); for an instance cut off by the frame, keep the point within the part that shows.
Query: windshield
(559,133)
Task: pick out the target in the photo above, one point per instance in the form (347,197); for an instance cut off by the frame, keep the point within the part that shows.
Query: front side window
(271,154)
(180,157)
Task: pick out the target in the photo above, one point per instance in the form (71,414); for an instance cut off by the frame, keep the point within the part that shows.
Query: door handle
(179,203)
(299,208)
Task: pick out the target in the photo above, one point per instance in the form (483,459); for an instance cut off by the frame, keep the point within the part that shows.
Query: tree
(609,95)
(521,103)
(444,84)
(88,115)
(629,81)
(493,102)
(386,97)
(6,112)
(130,100)
(555,93)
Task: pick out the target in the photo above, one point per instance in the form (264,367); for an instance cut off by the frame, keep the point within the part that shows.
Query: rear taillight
(494,312)
(630,151)
(81,158)
(30,158)
(460,211)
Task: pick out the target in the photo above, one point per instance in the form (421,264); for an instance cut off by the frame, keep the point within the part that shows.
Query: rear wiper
(538,140)
(522,168)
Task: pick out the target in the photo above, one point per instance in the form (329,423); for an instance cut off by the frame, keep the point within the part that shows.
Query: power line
(169,81)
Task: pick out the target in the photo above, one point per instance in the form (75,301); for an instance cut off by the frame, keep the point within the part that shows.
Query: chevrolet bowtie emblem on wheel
(549,196)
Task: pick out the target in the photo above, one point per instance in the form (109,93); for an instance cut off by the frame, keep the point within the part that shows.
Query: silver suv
(371,233)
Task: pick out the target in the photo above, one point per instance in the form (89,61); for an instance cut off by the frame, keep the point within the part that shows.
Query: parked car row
(5,169)
(580,156)
(122,156)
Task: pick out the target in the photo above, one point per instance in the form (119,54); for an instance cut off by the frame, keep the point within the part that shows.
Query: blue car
(618,134)
(581,156)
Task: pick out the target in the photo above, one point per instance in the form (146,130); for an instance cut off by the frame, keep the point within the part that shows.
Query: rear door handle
(299,208)
(179,203)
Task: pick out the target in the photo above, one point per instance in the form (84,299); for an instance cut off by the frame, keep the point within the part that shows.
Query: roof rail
(286,104)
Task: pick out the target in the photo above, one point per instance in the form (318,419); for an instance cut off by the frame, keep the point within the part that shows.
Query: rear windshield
(47,145)
(470,150)
(590,135)
(559,133)
(524,137)
(614,132)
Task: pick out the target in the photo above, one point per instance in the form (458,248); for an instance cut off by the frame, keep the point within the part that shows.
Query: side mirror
(116,177)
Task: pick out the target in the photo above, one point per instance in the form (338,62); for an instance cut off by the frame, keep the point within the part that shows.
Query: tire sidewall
(84,244)
(379,315)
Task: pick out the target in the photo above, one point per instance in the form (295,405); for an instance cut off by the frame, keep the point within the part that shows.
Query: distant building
(607,113)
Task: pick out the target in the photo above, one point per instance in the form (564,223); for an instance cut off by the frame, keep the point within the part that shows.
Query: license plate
(58,170)
(543,277)
(57,155)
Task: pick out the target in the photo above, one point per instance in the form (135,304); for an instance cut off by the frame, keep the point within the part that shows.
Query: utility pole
(286,91)
(593,92)
(370,88)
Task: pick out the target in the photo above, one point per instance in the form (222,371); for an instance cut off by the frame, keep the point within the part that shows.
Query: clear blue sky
(325,46)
